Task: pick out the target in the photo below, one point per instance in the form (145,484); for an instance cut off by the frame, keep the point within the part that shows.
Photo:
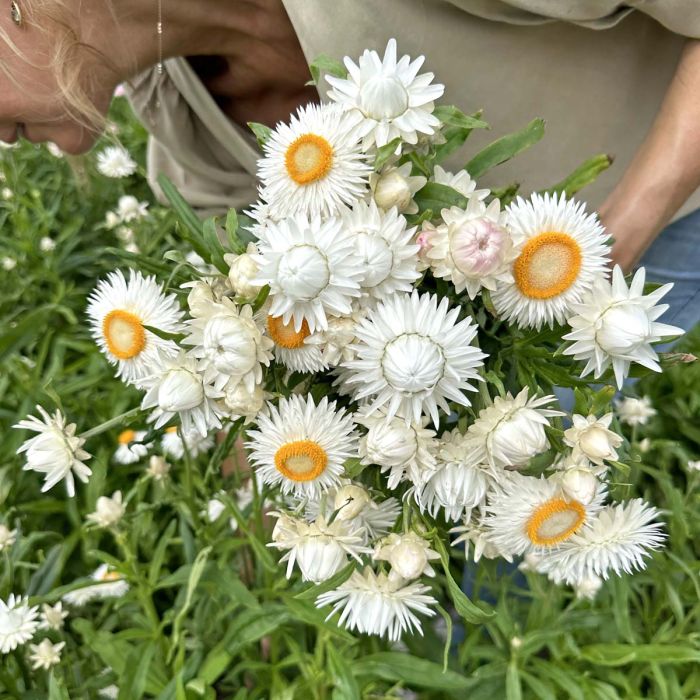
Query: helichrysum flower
(561,252)
(242,271)
(394,188)
(115,161)
(109,584)
(302,446)
(174,440)
(377,604)
(130,448)
(52,616)
(314,165)
(408,553)
(387,97)
(129,208)
(460,181)
(18,623)
(158,468)
(413,356)
(109,510)
(592,437)
(47,244)
(615,325)
(55,451)
(7,537)
(45,654)
(119,312)
(634,411)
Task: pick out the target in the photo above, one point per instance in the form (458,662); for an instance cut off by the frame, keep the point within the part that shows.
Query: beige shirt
(595,70)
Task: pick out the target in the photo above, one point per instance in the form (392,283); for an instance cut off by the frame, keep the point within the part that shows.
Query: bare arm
(665,170)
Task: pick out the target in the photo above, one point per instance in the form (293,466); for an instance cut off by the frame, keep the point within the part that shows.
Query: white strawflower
(319,549)
(634,411)
(615,325)
(124,233)
(691,465)
(52,616)
(115,161)
(579,484)
(531,514)
(592,437)
(242,402)
(385,248)
(47,244)
(388,97)
(473,532)
(242,271)
(336,342)
(377,604)
(109,691)
(108,511)
(7,537)
(158,468)
(130,209)
(45,654)
(7,194)
(395,186)
(131,448)
(561,252)
(206,292)
(109,584)
(18,623)
(181,389)
(174,441)
(298,350)
(413,356)
(460,181)
(406,451)
(617,540)
(587,588)
(229,345)
(511,431)
(314,165)
(301,446)
(54,150)
(119,312)
(8,263)
(311,268)
(112,220)
(408,553)
(55,451)
(473,249)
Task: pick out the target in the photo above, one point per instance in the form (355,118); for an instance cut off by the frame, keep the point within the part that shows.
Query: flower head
(131,448)
(409,555)
(592,438)
(174,441)
(109,510)
(52,617)
(45,654)
(7,537)
(394,188)
(18,623)
(115,161)
(634,411)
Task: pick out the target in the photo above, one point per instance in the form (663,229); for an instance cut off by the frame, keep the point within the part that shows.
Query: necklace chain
(159,31)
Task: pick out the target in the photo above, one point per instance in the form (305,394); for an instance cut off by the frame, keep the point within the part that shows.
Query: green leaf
(513,689)
(456,129)
(232,226)
(623,654)
(262,132)
(214,247)
(505,148)
(437,197)
(57,691)
(324,64)
(585,174)
(385,153)
(398,666)
(314,591)
(132,683)
(183,210)
(344,683)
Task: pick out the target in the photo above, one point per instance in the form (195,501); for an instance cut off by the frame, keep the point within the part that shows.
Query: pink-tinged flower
(478,246)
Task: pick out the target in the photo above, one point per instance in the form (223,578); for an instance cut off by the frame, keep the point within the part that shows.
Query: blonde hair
(66,57)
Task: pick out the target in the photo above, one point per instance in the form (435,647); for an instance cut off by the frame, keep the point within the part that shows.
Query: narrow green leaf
(324,64)
(437,197)
(585,174)
(623,654)
(345,685)
(261,131)
(232,226)
(385,153)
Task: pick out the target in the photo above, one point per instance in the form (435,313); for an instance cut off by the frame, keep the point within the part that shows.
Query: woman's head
(54,85)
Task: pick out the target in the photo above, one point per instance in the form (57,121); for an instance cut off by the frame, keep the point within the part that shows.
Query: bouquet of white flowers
(381,339)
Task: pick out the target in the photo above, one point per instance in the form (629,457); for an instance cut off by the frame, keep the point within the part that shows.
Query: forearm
(664,172)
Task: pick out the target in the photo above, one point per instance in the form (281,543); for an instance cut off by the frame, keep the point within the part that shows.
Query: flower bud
(588,587)
(595,444)
(390,444)
(350,500)
(158,468)
(242,402)
(229,345)
(242,272)
(477,246)
(580,485)
(392,190)
(180,390)
(519,438)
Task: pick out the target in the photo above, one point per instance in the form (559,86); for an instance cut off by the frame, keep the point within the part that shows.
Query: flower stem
(108,425)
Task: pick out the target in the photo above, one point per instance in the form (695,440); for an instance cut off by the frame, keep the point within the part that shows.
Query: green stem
(111,423)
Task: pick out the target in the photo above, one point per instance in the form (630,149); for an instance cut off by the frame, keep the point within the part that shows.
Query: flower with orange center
(313,165)
(130,449)
(561,251)
(120,313)
(555,521)
(301,446)
(291,347)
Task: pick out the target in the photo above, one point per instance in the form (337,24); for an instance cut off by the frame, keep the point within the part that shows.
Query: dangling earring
(16,13)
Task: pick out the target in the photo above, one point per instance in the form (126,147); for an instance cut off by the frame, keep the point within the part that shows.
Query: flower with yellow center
(301,446)
(120,312)
(561,251)
(291,347)
(528,514)
(314,165)
(130,447)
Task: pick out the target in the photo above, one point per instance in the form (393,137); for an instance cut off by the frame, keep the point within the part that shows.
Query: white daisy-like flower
(461,181)
(47,244)
(406,450)
(336,342)
(230,346)
(634,411)
(531,514)
(129,208)
(119,312)
(7,537)
(562,250)
(173,442)
(408,553)
(52,616)
(511,431)
(461,481)
(115,161)
(311,268)
(301,446)
(158,468)
(592,437)
(110,584)
(395,186)
(9,263)
(55,451)
(413,356)
(45,654)
(314,165)
(693,465)
(108,510)
(388,97)
(472,248)
(472,531)
(179,388)
(18,623)
(385,248)
(131,448)
(617,540)
(377,604)
(319,549)
(615,325)
(588,587)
